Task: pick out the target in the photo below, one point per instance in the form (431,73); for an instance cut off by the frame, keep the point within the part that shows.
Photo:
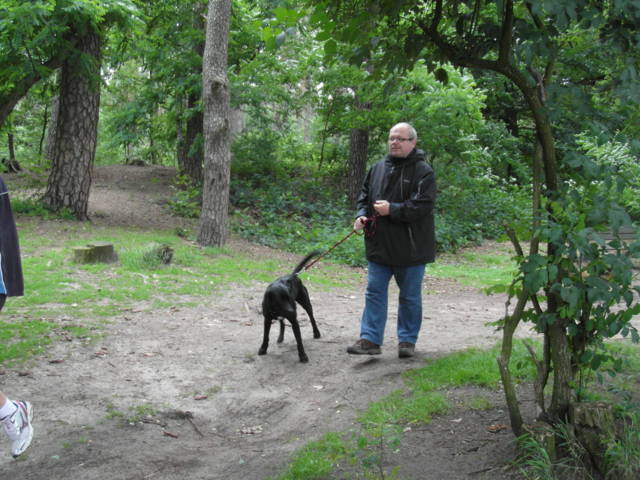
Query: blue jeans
(374,317)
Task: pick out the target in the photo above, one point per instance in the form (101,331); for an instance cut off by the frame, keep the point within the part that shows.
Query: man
(395,207)
(15,416)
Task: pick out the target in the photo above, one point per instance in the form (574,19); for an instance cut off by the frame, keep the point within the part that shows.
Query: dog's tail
(304,261)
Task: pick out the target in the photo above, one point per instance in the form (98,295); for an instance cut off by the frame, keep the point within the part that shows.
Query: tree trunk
(51,133)
(217,132)
(510,324)
(12,166)
(358,155)
(76,131)
(562,372)
(181,149)
(43,134)
(194,149)
(193,141)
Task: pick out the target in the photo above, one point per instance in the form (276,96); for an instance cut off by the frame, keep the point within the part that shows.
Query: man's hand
(382,207)
(360,223)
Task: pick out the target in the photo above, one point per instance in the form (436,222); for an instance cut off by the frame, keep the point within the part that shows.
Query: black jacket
(406,237)
(10,267)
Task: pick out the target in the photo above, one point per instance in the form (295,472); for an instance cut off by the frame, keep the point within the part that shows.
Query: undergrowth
(620,450)
(300,212)
(368,450)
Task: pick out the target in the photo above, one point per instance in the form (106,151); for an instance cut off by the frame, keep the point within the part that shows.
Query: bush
(300,213)
(467,214)
(35,208)
(187,199)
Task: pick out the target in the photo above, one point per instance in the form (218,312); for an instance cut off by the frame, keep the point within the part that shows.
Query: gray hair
(408,126)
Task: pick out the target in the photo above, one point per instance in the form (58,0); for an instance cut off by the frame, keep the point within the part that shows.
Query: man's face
(400,145)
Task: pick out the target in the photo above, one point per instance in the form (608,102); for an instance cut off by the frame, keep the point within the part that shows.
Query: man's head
(402,140)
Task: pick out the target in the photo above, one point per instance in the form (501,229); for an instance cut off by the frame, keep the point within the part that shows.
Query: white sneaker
(18,427)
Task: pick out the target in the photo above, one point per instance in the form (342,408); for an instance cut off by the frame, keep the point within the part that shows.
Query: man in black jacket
(395,207)
(15,416)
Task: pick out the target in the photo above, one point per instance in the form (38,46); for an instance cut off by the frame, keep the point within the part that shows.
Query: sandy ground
(246,413)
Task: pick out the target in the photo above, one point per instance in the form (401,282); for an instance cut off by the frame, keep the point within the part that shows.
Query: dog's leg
(265,339)
(305,302)
(296,332)
(281,336)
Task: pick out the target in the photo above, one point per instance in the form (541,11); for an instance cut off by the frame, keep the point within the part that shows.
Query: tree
(76,130)
(38,37)
(357,165)
(194,135)
(34,42)
(533,45)
(217,133)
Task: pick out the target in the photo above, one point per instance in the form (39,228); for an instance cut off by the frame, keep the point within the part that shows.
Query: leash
(369,231)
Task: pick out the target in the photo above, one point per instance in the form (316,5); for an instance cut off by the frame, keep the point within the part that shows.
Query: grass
(362,454)
(477,268)
(317,459)
(57,289)
(56,285)
(622,453)
(470,367)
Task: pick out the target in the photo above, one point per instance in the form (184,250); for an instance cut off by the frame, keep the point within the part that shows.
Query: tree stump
(100,252)
(595,427)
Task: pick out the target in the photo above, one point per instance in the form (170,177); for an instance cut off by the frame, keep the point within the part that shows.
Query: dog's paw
(316,335)
(262,351)
(304,358)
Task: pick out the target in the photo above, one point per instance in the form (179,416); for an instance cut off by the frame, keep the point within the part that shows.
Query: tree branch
(11,99)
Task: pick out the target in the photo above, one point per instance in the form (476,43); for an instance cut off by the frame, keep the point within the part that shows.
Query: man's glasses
(399,139)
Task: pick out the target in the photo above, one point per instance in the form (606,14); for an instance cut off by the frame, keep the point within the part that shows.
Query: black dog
(280,302)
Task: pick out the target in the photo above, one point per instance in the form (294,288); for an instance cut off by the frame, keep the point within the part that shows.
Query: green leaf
(330,48)
(287,16)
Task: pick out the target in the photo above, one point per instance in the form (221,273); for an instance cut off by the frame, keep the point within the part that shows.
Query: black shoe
(406,349)
(364,347)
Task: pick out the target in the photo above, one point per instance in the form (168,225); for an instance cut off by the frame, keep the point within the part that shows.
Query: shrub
(35,208)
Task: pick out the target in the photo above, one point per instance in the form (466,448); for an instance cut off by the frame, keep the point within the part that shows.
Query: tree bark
(43,132)
(51,133)
(12,166)
(194,149)
(562,371)
(76,128)
(181,149)
(217,131)
(193,141)
(510,324)
(358,155)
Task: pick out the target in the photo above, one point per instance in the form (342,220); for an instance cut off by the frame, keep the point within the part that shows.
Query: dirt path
(249,412)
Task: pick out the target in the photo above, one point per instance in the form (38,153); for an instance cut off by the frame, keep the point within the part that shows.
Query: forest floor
(249,412)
